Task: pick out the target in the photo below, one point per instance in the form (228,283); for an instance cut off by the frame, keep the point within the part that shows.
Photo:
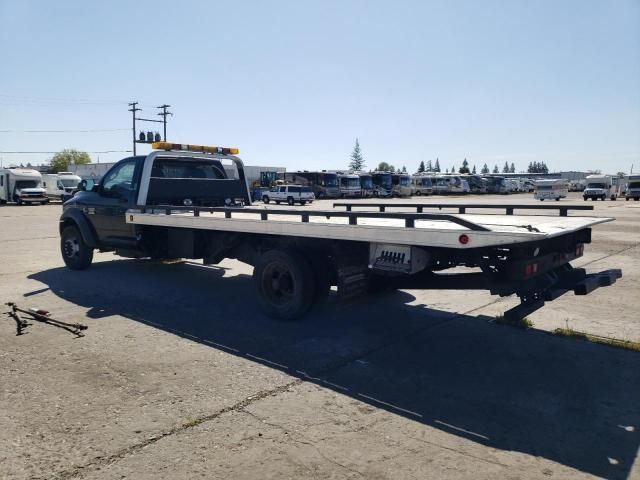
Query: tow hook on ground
(42,316)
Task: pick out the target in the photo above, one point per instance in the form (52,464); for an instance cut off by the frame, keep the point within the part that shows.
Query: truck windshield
(27,184)
(544,187)
(70,182)
(596,185)
(405,181)
(385,181)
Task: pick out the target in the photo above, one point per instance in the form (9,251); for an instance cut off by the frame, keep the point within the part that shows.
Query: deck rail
(462,207)
(408,217)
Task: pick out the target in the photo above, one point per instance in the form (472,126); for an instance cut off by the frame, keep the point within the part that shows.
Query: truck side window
(283,189)
(120,178)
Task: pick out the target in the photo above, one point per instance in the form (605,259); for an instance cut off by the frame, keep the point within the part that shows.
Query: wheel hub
(71,247)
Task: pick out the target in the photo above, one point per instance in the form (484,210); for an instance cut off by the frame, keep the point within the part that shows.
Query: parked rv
(401,184)
(476,183)
(457,184)
(633,187)
(323,184)
(440,185)
(60,186)
(553,189)
(21,185)
(496,184)
(381,184)
(421,185)
(599,187)
(349,184)
(366,184)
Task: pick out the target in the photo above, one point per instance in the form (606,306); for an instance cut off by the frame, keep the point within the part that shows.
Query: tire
(290,201)
(277,202)
(418,193)
(284,284)
(613,199)
(557,199)
(77,255)
(265,199)
(302,202)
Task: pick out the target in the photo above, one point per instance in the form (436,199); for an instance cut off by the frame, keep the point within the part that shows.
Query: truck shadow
(568,401)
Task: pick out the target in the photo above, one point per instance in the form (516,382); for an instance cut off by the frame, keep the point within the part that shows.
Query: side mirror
(87,186)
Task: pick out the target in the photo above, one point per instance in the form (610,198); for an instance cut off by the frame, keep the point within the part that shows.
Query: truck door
(117,193)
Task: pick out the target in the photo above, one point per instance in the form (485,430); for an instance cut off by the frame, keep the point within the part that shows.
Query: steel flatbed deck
(419,229)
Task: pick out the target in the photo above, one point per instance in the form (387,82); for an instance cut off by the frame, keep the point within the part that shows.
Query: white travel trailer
(21,185)
(553,189)
(599,187)
(61,185)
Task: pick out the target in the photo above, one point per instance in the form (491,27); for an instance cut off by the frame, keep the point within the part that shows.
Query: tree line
(357,163)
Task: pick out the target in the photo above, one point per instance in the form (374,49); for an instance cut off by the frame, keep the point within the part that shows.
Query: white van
(551,189)
(633,187)
(21,185)
(61,185)
(599,187)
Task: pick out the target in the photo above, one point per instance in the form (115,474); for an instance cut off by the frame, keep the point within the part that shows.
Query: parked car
(290,194)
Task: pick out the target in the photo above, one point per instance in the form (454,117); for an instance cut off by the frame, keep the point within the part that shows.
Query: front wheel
(285,284)
(77,255)
(265,199)
(290,201)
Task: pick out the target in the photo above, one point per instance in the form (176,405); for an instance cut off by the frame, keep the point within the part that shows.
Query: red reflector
(528,270)
(463,239)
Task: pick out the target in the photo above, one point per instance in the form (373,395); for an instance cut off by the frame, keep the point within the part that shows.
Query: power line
(104,151)
(61,100)
(67,131)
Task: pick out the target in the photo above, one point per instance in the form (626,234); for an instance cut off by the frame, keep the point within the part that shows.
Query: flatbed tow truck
(178,202)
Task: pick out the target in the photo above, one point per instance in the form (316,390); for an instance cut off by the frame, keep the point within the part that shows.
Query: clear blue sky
(293,83)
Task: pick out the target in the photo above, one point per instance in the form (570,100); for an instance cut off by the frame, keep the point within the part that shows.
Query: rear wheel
(284,283)
(418,193)
(302,202)
(77,255)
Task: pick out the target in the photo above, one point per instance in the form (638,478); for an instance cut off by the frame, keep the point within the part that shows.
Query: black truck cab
(95,215)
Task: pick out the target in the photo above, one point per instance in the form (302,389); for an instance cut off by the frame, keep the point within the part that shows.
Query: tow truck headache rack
(462,207)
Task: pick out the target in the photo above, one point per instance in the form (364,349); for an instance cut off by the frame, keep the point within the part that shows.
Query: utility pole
(134,108)
(164,114)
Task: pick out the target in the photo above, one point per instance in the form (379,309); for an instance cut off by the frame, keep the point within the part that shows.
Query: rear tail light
(531,269)
(580,250)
